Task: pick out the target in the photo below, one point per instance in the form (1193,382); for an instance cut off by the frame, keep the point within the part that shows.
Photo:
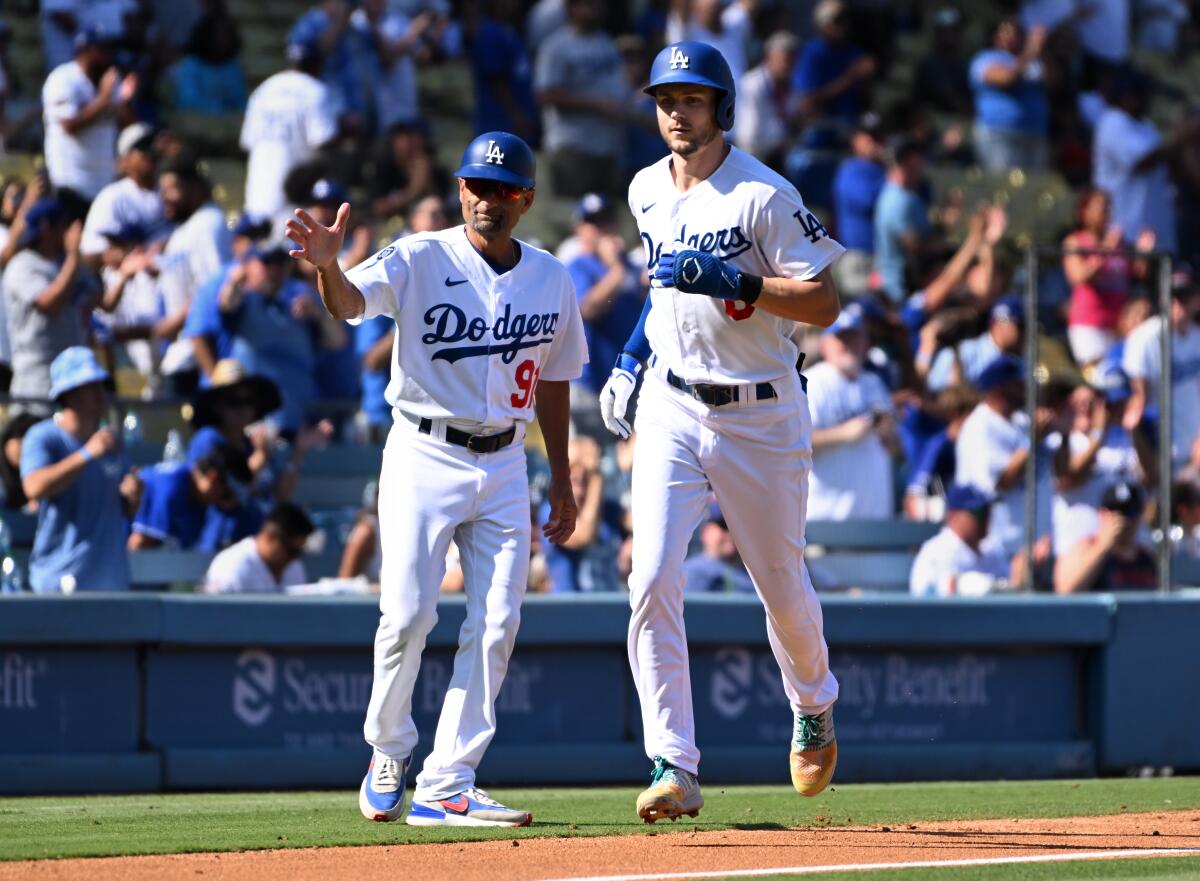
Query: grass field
(32,828)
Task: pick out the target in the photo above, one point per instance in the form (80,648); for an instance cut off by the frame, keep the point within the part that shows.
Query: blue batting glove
(663,275)
(698,272)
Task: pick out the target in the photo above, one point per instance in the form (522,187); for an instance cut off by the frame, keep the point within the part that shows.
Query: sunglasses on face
(487,189)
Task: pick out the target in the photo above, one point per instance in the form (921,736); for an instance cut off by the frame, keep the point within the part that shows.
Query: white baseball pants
(756,457)
(429,493)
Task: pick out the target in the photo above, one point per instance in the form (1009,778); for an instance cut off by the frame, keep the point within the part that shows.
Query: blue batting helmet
(700,64)
(498,156)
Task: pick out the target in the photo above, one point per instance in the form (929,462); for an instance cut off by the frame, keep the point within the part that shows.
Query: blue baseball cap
(850,319)
(328,191)
(47,208)
(252,227)
(498,156)
(1001,371)
(208,442)
(967,497)
(593,207)
(1124,497)
(1112,382)
(73,367)
(302,51)
(1009,309)
(133,233)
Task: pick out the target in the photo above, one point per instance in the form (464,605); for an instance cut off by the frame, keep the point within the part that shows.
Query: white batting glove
(614,397)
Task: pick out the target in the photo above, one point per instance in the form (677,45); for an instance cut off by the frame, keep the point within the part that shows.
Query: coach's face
(492,208)
(687,116)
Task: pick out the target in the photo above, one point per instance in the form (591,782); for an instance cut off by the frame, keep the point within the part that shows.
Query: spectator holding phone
(1113,557)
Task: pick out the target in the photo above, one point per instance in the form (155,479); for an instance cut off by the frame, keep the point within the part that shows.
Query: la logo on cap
(678,59)
(494,154)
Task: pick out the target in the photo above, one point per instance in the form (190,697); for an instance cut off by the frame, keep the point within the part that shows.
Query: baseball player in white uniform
(737,263)
(487,334)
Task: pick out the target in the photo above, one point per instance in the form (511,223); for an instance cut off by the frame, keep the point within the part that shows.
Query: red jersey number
(527,380)
(737,310)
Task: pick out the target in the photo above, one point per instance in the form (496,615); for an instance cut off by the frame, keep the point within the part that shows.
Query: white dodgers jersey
(751,217)
(471,345)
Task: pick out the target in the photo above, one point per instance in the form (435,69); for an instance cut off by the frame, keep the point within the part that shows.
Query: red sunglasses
(486,189)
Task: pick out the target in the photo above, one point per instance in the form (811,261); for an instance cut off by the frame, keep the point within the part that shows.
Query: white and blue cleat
(381,796)
(472,807)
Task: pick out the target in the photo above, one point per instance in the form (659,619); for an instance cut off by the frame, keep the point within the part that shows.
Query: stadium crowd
(115,254)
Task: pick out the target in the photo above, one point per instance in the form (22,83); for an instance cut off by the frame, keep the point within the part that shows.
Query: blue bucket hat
(74,367)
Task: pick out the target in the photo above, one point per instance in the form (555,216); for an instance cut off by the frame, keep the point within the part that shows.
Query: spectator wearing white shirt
(83,99)
(1099,452)
(960,559)
(854,434)
(288,119)
(1130,161)
(130,201)
(1113,557)
(762,125)
(991,452)
(966,361)
(269,562)
(1142,361)
(196,251)
(60,21)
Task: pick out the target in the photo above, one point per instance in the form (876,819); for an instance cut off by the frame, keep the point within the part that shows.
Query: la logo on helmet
(494,154)
(678,59)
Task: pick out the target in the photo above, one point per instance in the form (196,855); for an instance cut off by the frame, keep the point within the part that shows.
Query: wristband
(86,453)
(629,362)
(749,287)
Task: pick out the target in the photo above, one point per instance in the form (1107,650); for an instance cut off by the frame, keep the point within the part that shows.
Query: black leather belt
(476,443)
(718,395)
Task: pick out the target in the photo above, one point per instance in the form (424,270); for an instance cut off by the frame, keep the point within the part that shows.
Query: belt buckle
(476,443)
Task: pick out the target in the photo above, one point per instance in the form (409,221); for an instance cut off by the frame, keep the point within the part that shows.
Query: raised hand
(319,245)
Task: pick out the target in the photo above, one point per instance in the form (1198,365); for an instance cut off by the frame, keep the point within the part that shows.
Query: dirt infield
(544,858)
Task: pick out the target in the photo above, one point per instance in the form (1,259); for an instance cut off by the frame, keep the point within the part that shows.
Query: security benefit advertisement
(304,700)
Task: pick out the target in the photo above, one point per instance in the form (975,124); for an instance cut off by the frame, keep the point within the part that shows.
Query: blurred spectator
(1112,557)
(363,554)
(288,118)
(1185,508)
(1142,361)
(1100,283)
(45,293)
(901,218)
(1159,23)
(961,560)
(60,20)
(725,26)
(85,491)
(966,361)
(932,469)
(1098,452)
(209,78)
(328,28)
(1011,110)
(991,452)
(581,89)
(130,201)
(763,122)
(942,79)
(544,18)
(177,497)
(1130,161)
(130,306)
(83,100)
(223,413)
(392,44)
(276,324)
(611,294)
(859,180)
(854,434)
(269,562)
(1103,30)
(643,144)
(374,338)
(12,437)
(196,251)
(831,71)
(501,70)
(587,561)
(718,568)
(405,171)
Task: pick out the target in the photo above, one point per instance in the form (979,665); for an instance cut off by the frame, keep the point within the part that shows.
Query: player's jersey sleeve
(568,352)
(383,280)
(794,242)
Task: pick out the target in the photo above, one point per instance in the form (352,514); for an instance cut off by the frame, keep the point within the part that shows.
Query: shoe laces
(809,732)
(482,797)
(665,772)
(387,773)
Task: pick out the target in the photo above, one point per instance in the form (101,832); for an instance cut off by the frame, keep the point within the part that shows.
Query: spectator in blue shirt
(208,79)
(717,568)
(347,59)
(831,70)
(1011,110)
(901,219)
(73,467)
(501,70)
(931,470)
(856,188)
(587,561)
(178,496)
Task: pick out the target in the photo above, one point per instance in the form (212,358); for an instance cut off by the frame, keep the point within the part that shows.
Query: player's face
(687,117)
(491,208)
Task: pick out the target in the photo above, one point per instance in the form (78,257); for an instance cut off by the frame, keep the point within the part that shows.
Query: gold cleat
(814,753)
(673,793)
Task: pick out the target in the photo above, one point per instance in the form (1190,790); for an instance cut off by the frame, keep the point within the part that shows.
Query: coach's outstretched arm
(812,301)
(320,246)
